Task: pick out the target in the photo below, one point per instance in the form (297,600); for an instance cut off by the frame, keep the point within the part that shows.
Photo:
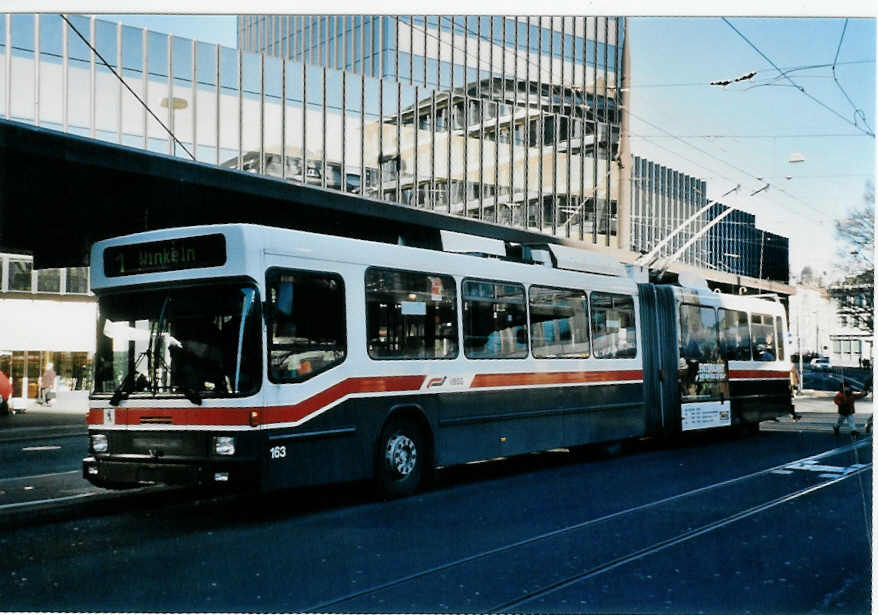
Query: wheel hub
(401,454)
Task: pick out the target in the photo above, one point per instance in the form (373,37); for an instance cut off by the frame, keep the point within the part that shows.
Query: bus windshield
(197,341)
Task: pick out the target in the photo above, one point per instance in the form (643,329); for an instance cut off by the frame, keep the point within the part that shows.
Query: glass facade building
(513,120)
(662,199)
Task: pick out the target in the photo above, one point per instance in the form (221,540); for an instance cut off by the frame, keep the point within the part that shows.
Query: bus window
(202,340)
(613,331)
(494,320)
(734,335)
(762,329)
(778,321)
(698,338)
(558,323)
(306,331)
(410,315)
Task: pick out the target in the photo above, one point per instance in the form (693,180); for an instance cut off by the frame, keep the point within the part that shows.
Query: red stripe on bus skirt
(505,380)
(758,373)
(271,414)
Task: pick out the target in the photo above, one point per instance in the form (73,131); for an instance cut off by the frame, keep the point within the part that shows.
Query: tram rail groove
(582,524)
(670,542)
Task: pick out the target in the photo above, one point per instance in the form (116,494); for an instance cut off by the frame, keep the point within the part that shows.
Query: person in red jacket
(844,400)
(5,393)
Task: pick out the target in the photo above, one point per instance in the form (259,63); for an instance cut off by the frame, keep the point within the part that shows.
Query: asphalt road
(713,524)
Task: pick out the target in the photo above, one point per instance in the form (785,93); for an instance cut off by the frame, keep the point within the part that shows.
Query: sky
(744,133)
(748,130)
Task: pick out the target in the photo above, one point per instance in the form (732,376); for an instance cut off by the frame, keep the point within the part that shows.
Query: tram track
(610,564)
(670,542)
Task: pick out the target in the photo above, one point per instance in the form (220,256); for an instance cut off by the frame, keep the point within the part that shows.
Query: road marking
(811,465)
(41,448)
(78,496)
(17,478)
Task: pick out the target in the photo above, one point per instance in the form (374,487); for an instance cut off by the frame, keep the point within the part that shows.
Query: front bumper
(137,471)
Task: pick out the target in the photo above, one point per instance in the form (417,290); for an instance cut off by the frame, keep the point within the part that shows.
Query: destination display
(166,255)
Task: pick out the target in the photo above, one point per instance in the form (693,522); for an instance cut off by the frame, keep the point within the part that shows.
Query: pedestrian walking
(47,384)
(844,400)
(5,393)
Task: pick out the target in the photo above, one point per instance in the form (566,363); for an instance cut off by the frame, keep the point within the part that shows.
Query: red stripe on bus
(376,384)
(271,414)
(757,373)
(173,416)
(501,380)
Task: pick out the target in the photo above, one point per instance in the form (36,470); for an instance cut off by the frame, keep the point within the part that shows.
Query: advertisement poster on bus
(703,373)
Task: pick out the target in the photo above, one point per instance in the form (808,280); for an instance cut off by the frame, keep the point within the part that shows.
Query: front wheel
(401,455)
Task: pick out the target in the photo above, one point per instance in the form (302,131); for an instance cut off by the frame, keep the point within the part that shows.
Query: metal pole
(9,65)
(799,346)
(145,56)
(304,121)
(65,77)
(240,164)
(283,118)
(91,78)
(194,95)
(416,112)
(433,151)
(218,97)
(262,114)
(36,69)
(172,145)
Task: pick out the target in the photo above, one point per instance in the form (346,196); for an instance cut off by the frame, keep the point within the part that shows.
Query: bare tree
(855,293)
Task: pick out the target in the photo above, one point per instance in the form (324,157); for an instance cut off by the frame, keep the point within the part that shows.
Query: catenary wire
(464,28)
(796,85)
(857,111)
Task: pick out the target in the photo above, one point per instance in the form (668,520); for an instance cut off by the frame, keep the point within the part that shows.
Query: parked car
(821,364)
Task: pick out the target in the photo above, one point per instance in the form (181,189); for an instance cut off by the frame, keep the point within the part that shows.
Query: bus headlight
(224,445)
(99,443)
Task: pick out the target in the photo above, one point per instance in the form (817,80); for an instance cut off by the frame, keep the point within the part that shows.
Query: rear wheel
(401,456)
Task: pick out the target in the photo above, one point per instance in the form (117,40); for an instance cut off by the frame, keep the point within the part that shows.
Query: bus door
(661,391)
(703,373)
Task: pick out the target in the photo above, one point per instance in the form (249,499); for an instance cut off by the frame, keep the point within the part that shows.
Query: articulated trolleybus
(272,358)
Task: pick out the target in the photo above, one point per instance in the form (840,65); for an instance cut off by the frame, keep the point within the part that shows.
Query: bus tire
(749,428)
(400,458)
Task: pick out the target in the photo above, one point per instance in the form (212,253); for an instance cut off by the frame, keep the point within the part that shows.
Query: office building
(512,120)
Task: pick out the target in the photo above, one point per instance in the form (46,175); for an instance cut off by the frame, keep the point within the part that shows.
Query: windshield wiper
(154,351)
(124,389)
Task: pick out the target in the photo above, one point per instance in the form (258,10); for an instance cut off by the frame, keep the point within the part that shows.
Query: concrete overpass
(59,193)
